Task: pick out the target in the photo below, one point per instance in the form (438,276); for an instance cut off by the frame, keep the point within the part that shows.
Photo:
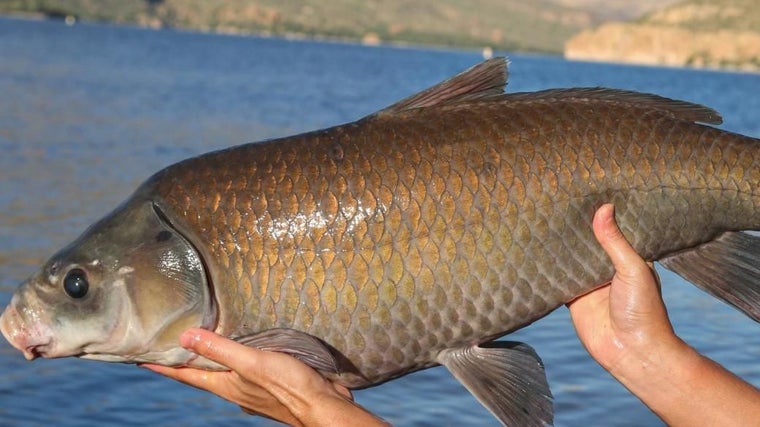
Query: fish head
(122,292)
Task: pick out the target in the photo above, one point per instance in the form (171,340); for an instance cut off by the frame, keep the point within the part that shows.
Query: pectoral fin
(727,268)
(302,346)
(508,378)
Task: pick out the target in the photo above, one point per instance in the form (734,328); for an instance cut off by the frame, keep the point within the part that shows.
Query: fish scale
(417,235)
(505,239)
(503,262)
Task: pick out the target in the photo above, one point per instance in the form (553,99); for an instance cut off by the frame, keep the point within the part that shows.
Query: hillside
(699,33)
(541,25)
(620,10)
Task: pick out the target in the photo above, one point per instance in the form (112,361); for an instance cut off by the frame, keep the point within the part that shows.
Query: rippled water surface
(88,112)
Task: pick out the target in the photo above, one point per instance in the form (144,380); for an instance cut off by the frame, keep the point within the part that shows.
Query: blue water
(87,112)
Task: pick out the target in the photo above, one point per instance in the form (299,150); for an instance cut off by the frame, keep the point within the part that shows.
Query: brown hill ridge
(724,34)
(537,26)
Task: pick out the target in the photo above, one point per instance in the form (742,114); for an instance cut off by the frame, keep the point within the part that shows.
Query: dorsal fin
(677,109)
(483,80)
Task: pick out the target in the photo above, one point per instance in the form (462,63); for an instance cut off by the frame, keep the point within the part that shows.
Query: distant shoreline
(293,36)
(368,39)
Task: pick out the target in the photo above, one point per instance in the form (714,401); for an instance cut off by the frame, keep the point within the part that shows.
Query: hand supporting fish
(269,384)
(625,327)
(410,238)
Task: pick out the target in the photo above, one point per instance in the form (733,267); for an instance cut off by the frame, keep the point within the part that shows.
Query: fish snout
(31,341)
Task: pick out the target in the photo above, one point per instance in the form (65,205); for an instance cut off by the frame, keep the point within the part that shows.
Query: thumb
(635,292)
(628,264)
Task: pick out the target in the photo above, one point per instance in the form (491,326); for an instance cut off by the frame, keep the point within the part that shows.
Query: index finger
(215,348)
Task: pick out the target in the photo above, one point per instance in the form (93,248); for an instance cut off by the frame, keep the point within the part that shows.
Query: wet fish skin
(410,238)
(403,234)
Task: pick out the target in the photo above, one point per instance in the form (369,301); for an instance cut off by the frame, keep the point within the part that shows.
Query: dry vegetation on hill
(541,25)
(507,24)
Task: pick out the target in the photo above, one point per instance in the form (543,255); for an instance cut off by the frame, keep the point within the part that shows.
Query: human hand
(625,327)
(274,385)
(626,319)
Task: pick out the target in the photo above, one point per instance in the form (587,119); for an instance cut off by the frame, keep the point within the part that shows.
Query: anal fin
(507,378)
(304,347)
(727,268)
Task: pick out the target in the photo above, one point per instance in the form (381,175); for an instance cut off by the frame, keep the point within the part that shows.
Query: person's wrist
(337,411)
(322,410)
(653,372)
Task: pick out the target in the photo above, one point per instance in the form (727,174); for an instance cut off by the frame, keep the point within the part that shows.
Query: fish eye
(75,283)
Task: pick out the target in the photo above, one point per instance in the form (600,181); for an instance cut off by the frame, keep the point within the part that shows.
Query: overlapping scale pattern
(400,235)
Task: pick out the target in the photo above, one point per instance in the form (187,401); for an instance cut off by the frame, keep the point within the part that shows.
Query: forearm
(337,412)
(685,388)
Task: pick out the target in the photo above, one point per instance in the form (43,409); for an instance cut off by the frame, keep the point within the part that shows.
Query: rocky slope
(714,34)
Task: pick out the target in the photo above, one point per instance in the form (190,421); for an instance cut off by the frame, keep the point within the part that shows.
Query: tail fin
(727,268)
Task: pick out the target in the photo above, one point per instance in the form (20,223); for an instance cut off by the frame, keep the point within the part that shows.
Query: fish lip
(45,350)
(19,337)
(32,352)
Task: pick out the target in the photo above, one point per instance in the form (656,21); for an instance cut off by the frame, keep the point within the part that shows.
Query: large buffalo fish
(410,238)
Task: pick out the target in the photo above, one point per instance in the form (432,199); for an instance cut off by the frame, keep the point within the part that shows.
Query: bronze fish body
(409,238)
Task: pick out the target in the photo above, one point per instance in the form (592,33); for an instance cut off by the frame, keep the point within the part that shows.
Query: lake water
(87,112)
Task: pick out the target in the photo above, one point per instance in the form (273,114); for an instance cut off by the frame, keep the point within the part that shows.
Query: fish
(413,237)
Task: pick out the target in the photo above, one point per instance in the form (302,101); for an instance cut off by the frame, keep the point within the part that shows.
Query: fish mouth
(20,338)
(32,352)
